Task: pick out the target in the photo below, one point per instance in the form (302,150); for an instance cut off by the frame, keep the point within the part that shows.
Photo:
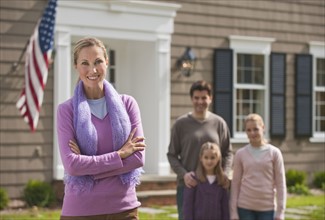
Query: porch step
(152,198)
(156,182)
(157,190)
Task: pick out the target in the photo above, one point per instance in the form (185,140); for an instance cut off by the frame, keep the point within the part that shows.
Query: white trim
(61,88)
(254,45)
(317,139)
(145,7)
(140,31)
(239,140)
(317,49)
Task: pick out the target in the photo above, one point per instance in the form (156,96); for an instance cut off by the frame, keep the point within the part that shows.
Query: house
(261,56)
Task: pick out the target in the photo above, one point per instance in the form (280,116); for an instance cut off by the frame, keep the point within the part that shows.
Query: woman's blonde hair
(254,117)
(87,42)
(222,179)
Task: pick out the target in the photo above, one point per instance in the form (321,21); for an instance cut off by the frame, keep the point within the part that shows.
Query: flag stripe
(36,67)
(32,91)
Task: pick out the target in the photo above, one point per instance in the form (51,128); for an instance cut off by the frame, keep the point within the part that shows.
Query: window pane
(320,74)
(248,101)
(111,68)
(250,69)
(320,112)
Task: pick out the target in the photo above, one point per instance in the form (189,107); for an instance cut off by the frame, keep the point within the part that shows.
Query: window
(111,68)
(318,112)
(248,78)
(251,72)
(319,119)
(250,89)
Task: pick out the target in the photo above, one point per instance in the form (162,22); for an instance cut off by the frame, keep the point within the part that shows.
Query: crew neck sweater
(187,136)
(256,181)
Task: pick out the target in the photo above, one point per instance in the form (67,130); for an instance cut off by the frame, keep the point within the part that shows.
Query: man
(189,132)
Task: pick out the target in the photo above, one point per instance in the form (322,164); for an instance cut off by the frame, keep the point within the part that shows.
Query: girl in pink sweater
(258,188)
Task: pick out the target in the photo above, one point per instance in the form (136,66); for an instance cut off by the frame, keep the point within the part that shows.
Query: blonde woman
(258,188)
(101,142)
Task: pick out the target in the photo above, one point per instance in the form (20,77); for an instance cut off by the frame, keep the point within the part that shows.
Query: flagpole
(15,65)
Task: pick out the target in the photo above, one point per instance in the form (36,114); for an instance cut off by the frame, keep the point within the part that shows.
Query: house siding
(23,155)
(205,26)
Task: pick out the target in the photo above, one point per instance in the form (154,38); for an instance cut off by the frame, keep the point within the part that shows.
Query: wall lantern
(186,63)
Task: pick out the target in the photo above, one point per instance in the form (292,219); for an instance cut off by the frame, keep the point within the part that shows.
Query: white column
(163,70)
(62,83)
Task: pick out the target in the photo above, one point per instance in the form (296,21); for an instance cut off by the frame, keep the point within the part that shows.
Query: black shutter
(303,99)
(277,94)
(223,84)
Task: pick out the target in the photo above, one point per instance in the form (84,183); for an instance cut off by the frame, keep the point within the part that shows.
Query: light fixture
(186,63)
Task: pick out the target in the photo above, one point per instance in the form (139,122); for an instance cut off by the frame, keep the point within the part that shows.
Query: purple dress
(206,202)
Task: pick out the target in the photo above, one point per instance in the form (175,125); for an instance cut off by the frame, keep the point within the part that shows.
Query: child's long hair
(222,179)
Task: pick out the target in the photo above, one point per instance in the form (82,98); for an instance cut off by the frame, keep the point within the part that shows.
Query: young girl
(258,177)
(209,199)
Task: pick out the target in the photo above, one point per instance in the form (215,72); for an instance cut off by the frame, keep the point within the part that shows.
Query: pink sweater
(258,181)
(108,195)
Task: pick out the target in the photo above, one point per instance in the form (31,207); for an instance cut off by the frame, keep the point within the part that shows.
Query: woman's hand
(132,144)
(74,147)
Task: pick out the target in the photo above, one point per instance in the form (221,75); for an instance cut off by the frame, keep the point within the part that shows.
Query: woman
(101,142)
(258,187)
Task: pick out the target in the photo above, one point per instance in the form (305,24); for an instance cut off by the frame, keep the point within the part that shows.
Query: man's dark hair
(201,86)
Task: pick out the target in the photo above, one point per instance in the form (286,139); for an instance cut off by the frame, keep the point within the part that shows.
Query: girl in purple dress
(209,199)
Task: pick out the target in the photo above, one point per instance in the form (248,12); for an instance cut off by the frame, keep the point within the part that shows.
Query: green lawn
(310,201)
(292,202)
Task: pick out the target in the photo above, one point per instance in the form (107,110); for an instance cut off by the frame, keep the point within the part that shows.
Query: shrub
(38,193)
(4,200)
(319,179)
(294,177)
(299,189)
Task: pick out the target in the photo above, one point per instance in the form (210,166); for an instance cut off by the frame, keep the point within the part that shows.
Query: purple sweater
(108,195)
(206,202)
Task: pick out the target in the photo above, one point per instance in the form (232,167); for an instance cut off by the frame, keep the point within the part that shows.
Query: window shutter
(277,87)
(303,101)
(223,84)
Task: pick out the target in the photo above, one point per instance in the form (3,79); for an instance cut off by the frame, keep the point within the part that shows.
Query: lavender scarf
(86,134)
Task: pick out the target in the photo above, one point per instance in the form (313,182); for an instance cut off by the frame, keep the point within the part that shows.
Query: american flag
(37,59)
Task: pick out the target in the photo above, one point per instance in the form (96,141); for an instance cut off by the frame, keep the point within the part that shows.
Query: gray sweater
(188,135)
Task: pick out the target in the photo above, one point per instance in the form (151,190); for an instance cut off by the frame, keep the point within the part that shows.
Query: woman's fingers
(137,139)
(139,146)
(74,147)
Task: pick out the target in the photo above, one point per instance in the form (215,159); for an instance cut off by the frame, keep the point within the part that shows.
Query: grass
(297,201)
(40,214)
(292,202)
(317,202)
